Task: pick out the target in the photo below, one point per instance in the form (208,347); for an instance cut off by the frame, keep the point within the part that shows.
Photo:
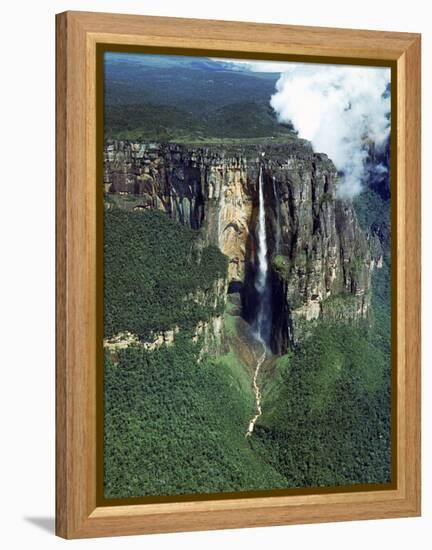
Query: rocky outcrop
(207,332)
(210,332)
(210,335)
(122,340)
(318,253)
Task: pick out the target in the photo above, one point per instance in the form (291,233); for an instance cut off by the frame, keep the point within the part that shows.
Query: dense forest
(151,266)
(143,100)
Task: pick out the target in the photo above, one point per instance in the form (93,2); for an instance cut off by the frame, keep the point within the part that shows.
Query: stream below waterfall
(257,393)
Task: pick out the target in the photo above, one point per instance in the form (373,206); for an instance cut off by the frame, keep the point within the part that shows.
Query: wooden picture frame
(78,297)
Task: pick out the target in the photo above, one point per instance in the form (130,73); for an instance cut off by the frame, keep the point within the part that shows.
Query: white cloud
(338,108)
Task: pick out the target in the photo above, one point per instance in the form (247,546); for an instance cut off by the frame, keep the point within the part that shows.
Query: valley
(244,260)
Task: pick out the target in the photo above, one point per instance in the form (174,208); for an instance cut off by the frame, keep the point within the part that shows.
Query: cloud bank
(341,110)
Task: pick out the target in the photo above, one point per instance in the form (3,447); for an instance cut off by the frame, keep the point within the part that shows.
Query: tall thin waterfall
(263,318)
(221,213)
(278,226)
(262,240)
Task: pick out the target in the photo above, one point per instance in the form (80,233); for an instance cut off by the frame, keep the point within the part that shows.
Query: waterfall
(220,215)
(261,279)
(263,318)
(278,225)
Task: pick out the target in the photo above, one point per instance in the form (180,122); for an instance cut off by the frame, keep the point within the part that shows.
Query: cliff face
(321,261)
(197,187)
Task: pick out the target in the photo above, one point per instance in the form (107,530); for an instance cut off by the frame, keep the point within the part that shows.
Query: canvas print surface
(247,275)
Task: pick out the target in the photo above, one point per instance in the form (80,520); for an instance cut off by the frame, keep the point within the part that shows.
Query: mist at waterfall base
(264,309)
(343,111)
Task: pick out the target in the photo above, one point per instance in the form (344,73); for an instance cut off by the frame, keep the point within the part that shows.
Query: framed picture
(238,274)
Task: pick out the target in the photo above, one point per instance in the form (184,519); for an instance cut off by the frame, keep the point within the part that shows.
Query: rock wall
(317,249)
(197,187)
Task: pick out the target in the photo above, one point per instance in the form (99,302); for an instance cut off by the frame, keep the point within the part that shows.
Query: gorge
(296,252)
(318,255)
